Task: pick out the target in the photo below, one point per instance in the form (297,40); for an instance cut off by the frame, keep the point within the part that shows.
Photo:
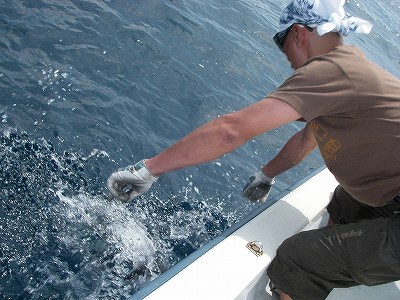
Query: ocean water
(89,86)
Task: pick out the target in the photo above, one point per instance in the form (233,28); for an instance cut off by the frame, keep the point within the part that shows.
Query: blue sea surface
(89,86)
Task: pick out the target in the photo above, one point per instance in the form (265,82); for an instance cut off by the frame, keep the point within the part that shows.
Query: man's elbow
(230,131)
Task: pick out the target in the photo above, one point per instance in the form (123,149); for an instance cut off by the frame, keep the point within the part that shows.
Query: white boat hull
(229,270)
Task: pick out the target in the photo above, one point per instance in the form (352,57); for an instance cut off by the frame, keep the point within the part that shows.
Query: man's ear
(299,35)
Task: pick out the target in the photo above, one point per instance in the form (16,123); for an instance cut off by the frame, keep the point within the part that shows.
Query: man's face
(296,44)
(291,50)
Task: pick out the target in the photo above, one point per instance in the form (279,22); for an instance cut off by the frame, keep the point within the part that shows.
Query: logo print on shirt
(328,148)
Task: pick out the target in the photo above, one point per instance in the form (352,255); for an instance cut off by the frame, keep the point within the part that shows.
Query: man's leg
(311,263)
(283,296)
(344,209)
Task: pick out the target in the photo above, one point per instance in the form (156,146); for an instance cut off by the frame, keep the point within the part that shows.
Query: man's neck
(324,44)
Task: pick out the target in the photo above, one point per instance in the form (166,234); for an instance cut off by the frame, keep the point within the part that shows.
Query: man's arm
(206,143)
(259,185)
(294,151)
(222,135)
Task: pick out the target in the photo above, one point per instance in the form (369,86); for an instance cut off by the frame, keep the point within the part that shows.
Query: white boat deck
(229,270)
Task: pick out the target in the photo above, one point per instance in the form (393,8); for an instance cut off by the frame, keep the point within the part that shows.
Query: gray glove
(258,187)
(130,182)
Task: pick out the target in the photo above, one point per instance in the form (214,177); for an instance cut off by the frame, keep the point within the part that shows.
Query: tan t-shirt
(354,109)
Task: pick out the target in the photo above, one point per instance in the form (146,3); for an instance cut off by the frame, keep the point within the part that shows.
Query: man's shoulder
(340,54)
(340,61)
(346,54)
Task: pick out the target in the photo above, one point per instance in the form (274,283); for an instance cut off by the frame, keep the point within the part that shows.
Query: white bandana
(325,15)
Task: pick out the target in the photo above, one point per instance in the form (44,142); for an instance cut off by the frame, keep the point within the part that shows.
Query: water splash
(62,240)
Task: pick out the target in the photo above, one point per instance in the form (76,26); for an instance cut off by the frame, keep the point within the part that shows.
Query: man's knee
(285,259)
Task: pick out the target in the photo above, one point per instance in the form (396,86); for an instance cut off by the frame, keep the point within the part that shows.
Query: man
(352,110)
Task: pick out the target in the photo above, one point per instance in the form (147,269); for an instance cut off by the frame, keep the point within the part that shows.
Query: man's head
(319,22)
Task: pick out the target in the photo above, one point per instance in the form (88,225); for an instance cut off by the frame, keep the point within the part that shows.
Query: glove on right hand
(130,182)
(258,187)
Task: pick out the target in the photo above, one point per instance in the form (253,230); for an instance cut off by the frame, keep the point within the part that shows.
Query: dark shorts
(363,247)
(344,209)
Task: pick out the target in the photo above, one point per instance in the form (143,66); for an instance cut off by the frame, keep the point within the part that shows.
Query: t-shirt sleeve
(318,88)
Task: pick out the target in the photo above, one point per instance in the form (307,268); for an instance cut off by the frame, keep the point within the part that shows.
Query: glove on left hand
(258,187)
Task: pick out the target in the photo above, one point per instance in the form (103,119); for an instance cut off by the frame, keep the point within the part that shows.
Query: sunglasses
(281,36)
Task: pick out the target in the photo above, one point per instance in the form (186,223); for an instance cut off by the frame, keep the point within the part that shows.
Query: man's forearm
(294,151)
(206,143)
